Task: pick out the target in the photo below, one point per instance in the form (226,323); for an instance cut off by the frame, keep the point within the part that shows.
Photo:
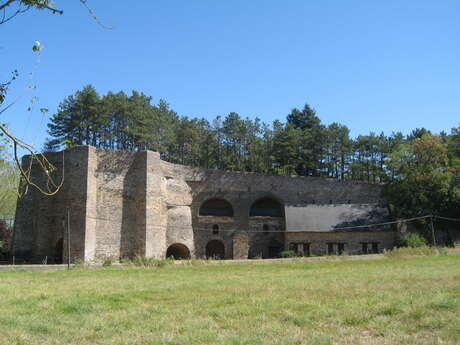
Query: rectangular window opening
(375,247)
(341,248)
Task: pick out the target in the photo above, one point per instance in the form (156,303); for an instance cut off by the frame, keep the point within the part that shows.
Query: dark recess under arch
(216,208)
(178,251)
(266,207)
(215,249)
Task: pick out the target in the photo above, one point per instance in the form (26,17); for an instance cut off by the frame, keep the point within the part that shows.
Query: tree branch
(44,165)
(6,4)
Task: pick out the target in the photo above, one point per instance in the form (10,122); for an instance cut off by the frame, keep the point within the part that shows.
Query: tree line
(302,145)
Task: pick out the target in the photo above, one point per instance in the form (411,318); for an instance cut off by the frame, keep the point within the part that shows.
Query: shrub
(415,251)
(125,261)
(107,262)
(412,241)
(79,264)
(143,261)
(288,254)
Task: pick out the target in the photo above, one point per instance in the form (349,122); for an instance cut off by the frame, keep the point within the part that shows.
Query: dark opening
(178,251)
(216,208)
(375,248)
(59,251)
(330,248)
(265,229)
(341,248)
(215,229)
(215,250)
(255,252)
(274,251)
(266,207)
(303,249)
(365,250)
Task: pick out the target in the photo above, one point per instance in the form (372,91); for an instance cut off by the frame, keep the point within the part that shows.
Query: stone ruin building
(124,204)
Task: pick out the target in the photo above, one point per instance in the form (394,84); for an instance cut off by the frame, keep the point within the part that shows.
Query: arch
(217,208)
(178,251)
(266,207)
(215,249)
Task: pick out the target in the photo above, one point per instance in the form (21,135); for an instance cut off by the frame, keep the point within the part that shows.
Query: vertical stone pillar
(79,194)
(240,246)
(155,209)
(300,249)
(91,206)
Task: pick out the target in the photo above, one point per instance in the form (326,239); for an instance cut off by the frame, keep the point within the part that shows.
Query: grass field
(387,301)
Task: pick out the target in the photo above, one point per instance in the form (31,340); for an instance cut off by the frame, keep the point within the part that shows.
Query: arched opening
(216,208)
(215,229)
(178,251)
(266,207)
(59,251)
(215,250)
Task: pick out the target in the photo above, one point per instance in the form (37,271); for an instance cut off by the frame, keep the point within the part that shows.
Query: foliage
(412,241)
(415,251)
(288,254)
(6,233)
(107,262)
(79,264)
(9,181)
(301,146)
(424,181)
(142,261)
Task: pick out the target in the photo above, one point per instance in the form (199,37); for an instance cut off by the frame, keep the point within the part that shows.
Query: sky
(370,65)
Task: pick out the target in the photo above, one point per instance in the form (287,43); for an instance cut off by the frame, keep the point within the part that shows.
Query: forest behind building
(421,170)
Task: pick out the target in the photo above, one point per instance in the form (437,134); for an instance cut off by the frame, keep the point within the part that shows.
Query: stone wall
(124,204)
(41,221)
(352,240)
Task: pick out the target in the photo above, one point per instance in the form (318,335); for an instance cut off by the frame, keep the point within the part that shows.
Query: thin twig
(91,13)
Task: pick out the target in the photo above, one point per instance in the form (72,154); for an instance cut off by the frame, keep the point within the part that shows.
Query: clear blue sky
(371,65)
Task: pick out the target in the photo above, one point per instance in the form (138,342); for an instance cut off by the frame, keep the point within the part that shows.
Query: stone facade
(124,204)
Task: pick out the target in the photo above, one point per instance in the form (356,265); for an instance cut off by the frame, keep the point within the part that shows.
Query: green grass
(388,301)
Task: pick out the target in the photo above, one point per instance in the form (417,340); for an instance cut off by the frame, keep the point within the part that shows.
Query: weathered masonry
(126,204)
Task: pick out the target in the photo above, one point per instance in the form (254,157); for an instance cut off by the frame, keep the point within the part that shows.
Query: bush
(79,264)
(107,262)
(143,261)
(415,251)
(288,254)
(125,261)
(413,241)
